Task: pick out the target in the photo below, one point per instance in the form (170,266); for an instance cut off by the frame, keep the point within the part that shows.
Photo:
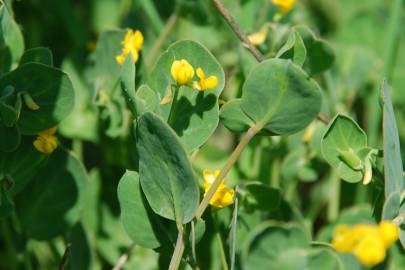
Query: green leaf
(343,145)
(165,171)
(11,40)
(262,197)
(393,170)
(6,202)
(196,114)
(107,70)
(50,88)
(138,219)
(52,201)
(39,55)
(281,95)
(276,246)
(82,122)
(320,55)
(146,99)
(8,115)
(9,138)
(22,164)
(234,118)
(80,256)
(320,259)
(293,49)
(391,206)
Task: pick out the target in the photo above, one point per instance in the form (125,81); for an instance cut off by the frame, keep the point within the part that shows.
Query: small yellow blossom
(46,142)
(284,5)
(367,242)
(205,83)
(389,232)
(182,72)
(370,250)
(258,38)
(223,196)
(132,44)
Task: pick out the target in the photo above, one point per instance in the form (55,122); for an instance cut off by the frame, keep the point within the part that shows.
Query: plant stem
(392,37)
(334,191)
(236,29)
(179,249)
(248,45)
(153,54)
(173,107)
(124,258)
(228,165)
(153,15)
(178,252)
(220,244)
(9,245)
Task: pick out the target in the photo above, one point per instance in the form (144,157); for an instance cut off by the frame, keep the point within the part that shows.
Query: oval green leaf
(343,142)
(51,203)
(50,88)
(138,219)
(165,171)
(281,95)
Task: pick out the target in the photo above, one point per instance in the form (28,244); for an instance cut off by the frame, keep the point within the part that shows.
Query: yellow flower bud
(132,44)
(224,196)
(370,250)
(182,72)
(284,5)
(389,232)
(46,142)
(205,83)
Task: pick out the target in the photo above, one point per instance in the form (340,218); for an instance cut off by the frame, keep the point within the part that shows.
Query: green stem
(220,244)
(153,54)
(77,147)
(228,165)
(178,252)
(333,206)
(393,35)
(9,244)
(153,15)
(170,119)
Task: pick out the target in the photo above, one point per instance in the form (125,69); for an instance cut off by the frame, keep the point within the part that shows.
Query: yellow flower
(182,72)
(284,5)
(46,141)
(205,83)
(258,38)
(132,44)
(389,232)
(367,242)
(223,196)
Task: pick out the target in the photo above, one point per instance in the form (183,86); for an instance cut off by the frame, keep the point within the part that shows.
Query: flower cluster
(284,5)
(224,196)
(46,142)
(367,242)
(183,73)
(132,44)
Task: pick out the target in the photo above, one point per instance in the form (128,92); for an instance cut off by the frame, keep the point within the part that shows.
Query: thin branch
(235,27)
(65,257)
(323,118)
(248,45)
(124,258)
